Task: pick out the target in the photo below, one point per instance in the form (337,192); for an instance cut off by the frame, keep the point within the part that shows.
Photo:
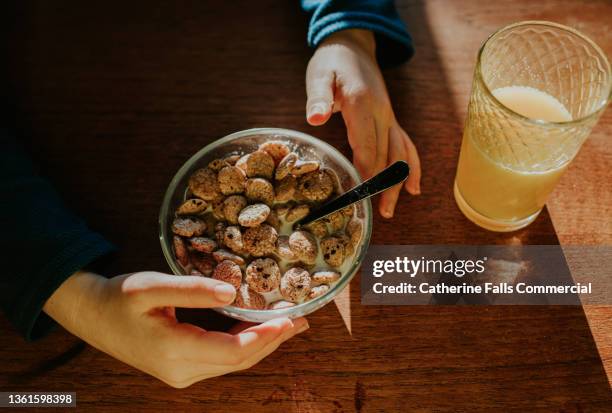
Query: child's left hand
(343,75)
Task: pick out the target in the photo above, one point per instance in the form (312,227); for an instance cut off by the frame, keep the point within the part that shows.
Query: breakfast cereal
(237,225)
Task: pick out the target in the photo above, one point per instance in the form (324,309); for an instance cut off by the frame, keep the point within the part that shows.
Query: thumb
(155,289)
(319,89)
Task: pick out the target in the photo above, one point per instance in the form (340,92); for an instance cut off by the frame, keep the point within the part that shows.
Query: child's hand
(132,318)
(343,76)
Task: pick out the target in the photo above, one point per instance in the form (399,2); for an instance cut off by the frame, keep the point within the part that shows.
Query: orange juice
(498,192)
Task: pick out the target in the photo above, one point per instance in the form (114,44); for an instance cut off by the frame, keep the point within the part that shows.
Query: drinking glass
(538,90)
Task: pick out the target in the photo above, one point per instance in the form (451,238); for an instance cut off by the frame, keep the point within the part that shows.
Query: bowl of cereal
(230,211)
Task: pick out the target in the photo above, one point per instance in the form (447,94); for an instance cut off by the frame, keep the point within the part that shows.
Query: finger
(413,183)
(300,325)
(152,289)
(241,326)
(361,131)
(320,94)
(382,145)
(253,355)
(397,151)
(211,347)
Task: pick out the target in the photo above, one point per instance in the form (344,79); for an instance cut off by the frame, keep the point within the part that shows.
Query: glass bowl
(307,147)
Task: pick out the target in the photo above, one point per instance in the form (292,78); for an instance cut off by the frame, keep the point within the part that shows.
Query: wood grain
(113,97)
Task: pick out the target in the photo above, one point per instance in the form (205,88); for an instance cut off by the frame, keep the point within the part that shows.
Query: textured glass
(553,59)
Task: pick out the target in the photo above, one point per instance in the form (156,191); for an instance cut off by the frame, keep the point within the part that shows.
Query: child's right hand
(132,318)
(343,76)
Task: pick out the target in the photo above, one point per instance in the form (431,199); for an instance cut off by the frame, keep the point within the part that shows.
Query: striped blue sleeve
(393,42)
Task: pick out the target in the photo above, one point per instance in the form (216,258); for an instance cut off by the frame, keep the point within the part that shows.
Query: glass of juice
(538,90)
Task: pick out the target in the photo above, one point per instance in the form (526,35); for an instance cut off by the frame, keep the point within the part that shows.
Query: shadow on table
(482,351)
(426,356)
(161,109)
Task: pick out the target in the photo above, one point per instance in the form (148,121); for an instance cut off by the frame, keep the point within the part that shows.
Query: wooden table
(115,96)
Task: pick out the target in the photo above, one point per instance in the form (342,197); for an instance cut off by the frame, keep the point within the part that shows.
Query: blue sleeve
(42,242)
(393,43)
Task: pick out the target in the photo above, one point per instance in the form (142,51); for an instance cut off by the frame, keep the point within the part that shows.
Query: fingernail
(387,213)
(317,109)
(301,324)
(305,327)
(225,293)
(282,323)
(414,189)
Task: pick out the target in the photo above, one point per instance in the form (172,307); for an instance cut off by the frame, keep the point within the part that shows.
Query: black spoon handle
(392,175)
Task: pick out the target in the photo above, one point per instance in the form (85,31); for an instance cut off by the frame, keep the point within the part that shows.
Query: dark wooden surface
(114,96)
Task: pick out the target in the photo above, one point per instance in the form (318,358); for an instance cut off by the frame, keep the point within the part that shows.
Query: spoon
(392,175)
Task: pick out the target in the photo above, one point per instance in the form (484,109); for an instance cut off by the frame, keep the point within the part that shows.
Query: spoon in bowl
(392,175)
